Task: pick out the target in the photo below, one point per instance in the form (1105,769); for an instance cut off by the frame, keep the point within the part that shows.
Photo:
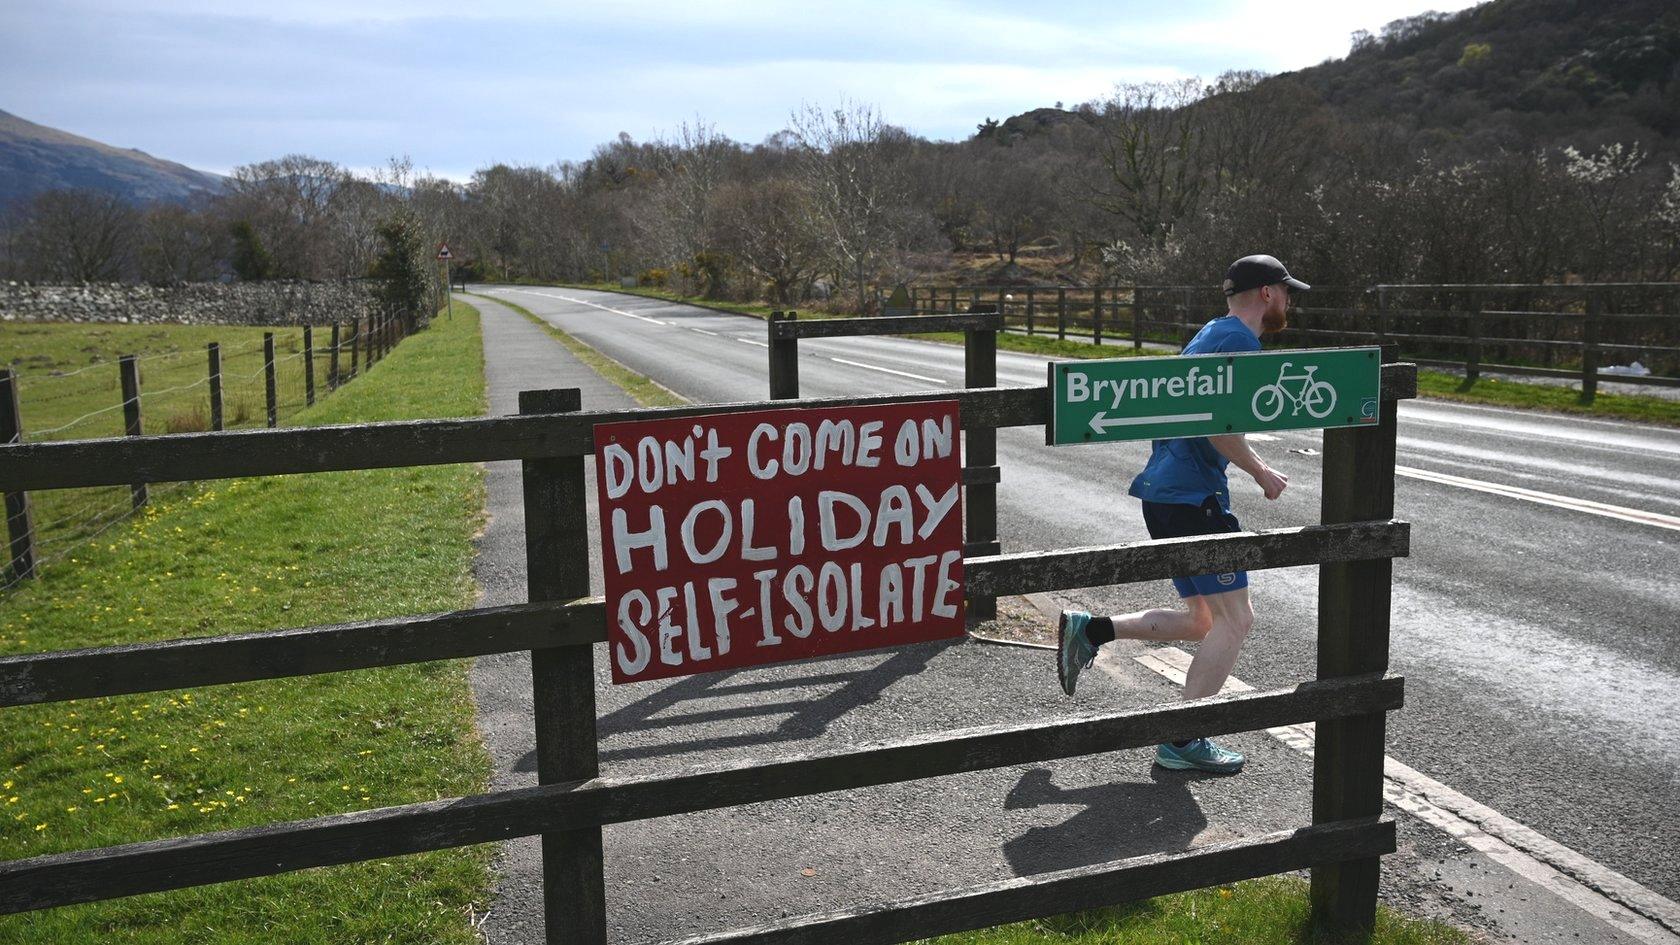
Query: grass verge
(1503,393)
(1269,911)
(1257,912)
(249,555)
(643,390)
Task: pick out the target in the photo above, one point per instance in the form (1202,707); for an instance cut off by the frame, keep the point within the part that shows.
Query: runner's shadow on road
(1114,821)
(807,713)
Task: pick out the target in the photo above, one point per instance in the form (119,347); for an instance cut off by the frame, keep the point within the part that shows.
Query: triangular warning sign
(899,302)
(443,251)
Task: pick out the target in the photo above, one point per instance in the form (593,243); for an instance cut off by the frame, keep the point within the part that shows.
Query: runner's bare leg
(1163,624)
(1233,617)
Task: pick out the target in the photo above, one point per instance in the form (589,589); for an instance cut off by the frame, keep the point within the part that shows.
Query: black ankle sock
(1182,744)
(1099,631)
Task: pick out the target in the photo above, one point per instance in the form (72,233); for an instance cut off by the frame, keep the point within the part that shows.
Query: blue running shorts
(1169,520)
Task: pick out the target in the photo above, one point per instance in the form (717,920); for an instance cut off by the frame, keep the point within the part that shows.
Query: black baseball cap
(1252,272)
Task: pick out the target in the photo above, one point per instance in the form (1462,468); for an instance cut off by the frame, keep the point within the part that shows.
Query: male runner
(1184,493)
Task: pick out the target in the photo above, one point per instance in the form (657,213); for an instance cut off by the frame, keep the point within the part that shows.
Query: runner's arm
(1235,448)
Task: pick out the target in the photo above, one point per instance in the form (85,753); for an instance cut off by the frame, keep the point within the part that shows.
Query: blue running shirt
(1186,471)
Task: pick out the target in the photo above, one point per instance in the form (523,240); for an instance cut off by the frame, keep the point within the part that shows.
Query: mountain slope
(34,158)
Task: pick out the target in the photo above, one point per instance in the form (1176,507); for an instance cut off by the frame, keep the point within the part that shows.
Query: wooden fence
(1569,331)
(367,342)
(559,626)
(981,474)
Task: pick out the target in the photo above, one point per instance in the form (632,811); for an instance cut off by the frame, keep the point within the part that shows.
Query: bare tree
(852,166)
(76,236)
(1151,146)
(763,224)
(179,244)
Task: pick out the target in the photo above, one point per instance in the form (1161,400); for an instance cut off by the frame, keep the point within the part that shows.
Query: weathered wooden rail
(560,625)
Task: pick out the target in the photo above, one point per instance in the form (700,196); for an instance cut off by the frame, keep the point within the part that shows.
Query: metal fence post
(563,679)
(1589,348)
(308,367)
(1353,637)
(332,361)
(214,350)
(784,358)
(980,506)
(19,529)
(268,379)
(129,367)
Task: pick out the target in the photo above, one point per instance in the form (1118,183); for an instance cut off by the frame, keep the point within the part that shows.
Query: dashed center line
(749,341)
(604,308)
(1637,516)
(888,370)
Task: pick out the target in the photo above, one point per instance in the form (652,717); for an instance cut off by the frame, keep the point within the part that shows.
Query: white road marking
(1596,889)
(604,308)
(704,332)
(749,341)
(1262,437)
(1637,516)
(887,370)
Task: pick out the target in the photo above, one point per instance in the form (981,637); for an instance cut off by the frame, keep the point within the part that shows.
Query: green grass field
(247,555)
(68,388)
(1269,911)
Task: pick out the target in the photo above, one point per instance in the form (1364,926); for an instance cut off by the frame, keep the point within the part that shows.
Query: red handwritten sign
(739,539)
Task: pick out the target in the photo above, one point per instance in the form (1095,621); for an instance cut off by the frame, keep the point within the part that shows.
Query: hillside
(34,158)
(1506,75)
(1517,74)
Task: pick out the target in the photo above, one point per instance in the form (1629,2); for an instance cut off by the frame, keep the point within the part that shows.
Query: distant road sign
(443,251)
(739,539)
(1212,394)
(899,302)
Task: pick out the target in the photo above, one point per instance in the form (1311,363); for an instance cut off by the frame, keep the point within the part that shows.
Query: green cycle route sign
(1212,394)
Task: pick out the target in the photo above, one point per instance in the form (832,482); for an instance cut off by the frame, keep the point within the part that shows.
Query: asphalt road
(1535,620)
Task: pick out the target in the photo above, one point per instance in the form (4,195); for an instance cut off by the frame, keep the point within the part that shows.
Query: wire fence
(185,390)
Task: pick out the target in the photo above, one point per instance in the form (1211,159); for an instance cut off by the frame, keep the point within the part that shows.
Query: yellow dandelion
(71,809)
(173,807)
(40,827)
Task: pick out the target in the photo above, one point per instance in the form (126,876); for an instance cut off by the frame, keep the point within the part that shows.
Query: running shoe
(1202,755)
(1074,651)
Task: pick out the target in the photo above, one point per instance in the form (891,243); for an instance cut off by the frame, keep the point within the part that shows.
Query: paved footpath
(743,866)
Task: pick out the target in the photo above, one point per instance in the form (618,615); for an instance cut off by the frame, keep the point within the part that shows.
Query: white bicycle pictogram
(1318,398)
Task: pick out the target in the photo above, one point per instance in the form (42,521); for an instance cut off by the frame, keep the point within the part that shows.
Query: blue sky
(457,85)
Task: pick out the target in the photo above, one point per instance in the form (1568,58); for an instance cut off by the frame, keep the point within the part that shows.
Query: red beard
(1271,324)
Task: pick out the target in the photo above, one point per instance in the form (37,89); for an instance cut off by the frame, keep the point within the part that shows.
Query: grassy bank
(1270,911)
(247,555)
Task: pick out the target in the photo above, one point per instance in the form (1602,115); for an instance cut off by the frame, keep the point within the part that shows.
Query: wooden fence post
(1096,315)
(355,346)
(1186,330)
(268,379)
(332,361)
(214,349)
(308,367)
(1473,353)
(1353,637)
(1589,347)
(19,529)
(1061,314)
(563,679)
(1032,310)
(784,359)
(1137,322)
(980,506)
(129,367)
(1382,315)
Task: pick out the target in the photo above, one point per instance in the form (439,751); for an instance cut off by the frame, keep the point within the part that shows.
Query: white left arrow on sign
(1101,423)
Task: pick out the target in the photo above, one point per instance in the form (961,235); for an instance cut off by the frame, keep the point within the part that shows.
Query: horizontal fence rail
(202,456)
(178,664)
(154,866)
(1072,890)
(885,325)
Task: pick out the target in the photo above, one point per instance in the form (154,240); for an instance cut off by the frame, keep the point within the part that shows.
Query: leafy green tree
(404,269)
(251,261)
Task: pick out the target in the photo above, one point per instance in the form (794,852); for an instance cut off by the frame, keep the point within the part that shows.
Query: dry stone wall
(194,303)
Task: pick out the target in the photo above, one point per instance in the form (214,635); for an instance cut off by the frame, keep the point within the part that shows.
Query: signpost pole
(980,499)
